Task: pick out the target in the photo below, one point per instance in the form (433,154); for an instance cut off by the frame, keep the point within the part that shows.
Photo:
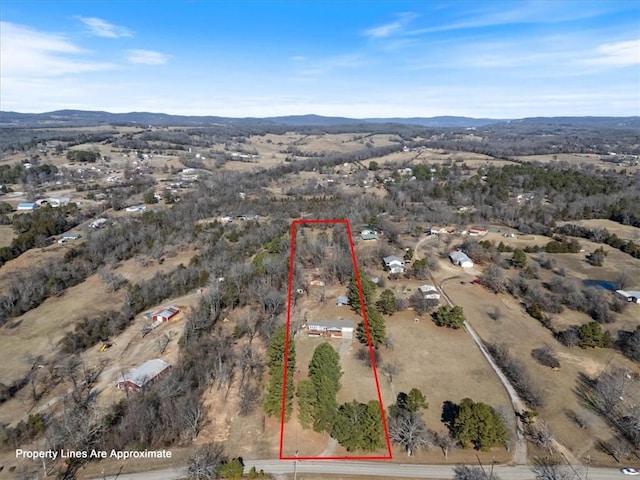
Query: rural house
(146,374)
(394,264)
(461,259)
(166,314)
(632,296)
(368,233)
(429,292)
(331,328)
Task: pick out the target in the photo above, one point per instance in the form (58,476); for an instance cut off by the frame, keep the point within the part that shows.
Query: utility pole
(586,475)
(295,467)
(483,470)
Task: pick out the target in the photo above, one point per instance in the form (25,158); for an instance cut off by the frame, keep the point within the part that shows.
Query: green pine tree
(377,328)
(275,362)
(368,292)
(387,303)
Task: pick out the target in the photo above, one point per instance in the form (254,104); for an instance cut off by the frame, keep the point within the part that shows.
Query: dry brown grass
(6,235)
(626,232)
(522,333)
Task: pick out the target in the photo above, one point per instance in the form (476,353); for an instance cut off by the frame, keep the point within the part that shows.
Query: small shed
(342,300)
(166,314)
(143,376)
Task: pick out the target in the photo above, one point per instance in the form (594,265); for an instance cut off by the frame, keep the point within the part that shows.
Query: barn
(632,296)
(342,328)
(143,376)
(166,314)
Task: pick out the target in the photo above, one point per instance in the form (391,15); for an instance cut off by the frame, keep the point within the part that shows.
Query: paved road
(366,470)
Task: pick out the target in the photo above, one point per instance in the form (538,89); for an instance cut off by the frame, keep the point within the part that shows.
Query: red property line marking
(369,341)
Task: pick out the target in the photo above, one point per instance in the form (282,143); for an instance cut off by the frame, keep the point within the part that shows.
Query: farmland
(210,234)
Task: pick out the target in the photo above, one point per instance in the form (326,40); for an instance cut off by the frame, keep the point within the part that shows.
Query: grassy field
(626,232)
(40,330)
(522,334)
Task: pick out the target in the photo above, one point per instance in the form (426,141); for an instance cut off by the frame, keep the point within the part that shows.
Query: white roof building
(145,374)
(632,296)
(461,259)
(394,264)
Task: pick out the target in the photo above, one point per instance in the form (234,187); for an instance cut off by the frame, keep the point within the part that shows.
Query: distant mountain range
(74,118)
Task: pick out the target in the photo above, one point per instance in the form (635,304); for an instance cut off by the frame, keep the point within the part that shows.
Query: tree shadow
(449,413)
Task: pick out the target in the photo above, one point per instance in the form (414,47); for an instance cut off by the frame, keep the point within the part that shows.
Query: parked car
(630,471)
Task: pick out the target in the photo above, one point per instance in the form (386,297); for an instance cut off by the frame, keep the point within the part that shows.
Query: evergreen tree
(275,362)
(518,259)
(358,426)
(368,292)
(592,335)
(478,425)
(387,303)
(377,328)
(451,317)
(231,470)
(324,376)
(415,401)
(306,393)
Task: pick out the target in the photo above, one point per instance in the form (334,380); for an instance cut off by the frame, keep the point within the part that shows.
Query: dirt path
(520,453)
(520,450)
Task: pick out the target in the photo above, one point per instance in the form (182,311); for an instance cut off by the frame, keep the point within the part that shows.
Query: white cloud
(393,28)
(102,28)
(617,54)
(25,52)
(146,57)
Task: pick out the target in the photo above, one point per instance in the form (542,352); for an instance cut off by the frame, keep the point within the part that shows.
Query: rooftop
(341,323)
(145,372)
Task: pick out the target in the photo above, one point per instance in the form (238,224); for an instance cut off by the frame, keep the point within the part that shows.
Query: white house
(429,292)
(69,236)
(58,201)
(98,222)
(136,208)
(394,264)
(632,296)
(461,259)
(342,328)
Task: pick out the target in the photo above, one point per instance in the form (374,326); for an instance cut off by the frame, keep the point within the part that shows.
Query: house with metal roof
(143,376)
(166,314)
(461,259)
(394,264)
(342,328)
(632,296)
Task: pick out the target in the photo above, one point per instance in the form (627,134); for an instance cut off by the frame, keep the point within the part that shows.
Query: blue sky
(498,59)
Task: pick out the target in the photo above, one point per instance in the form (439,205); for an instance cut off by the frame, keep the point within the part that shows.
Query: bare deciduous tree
(409,431)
